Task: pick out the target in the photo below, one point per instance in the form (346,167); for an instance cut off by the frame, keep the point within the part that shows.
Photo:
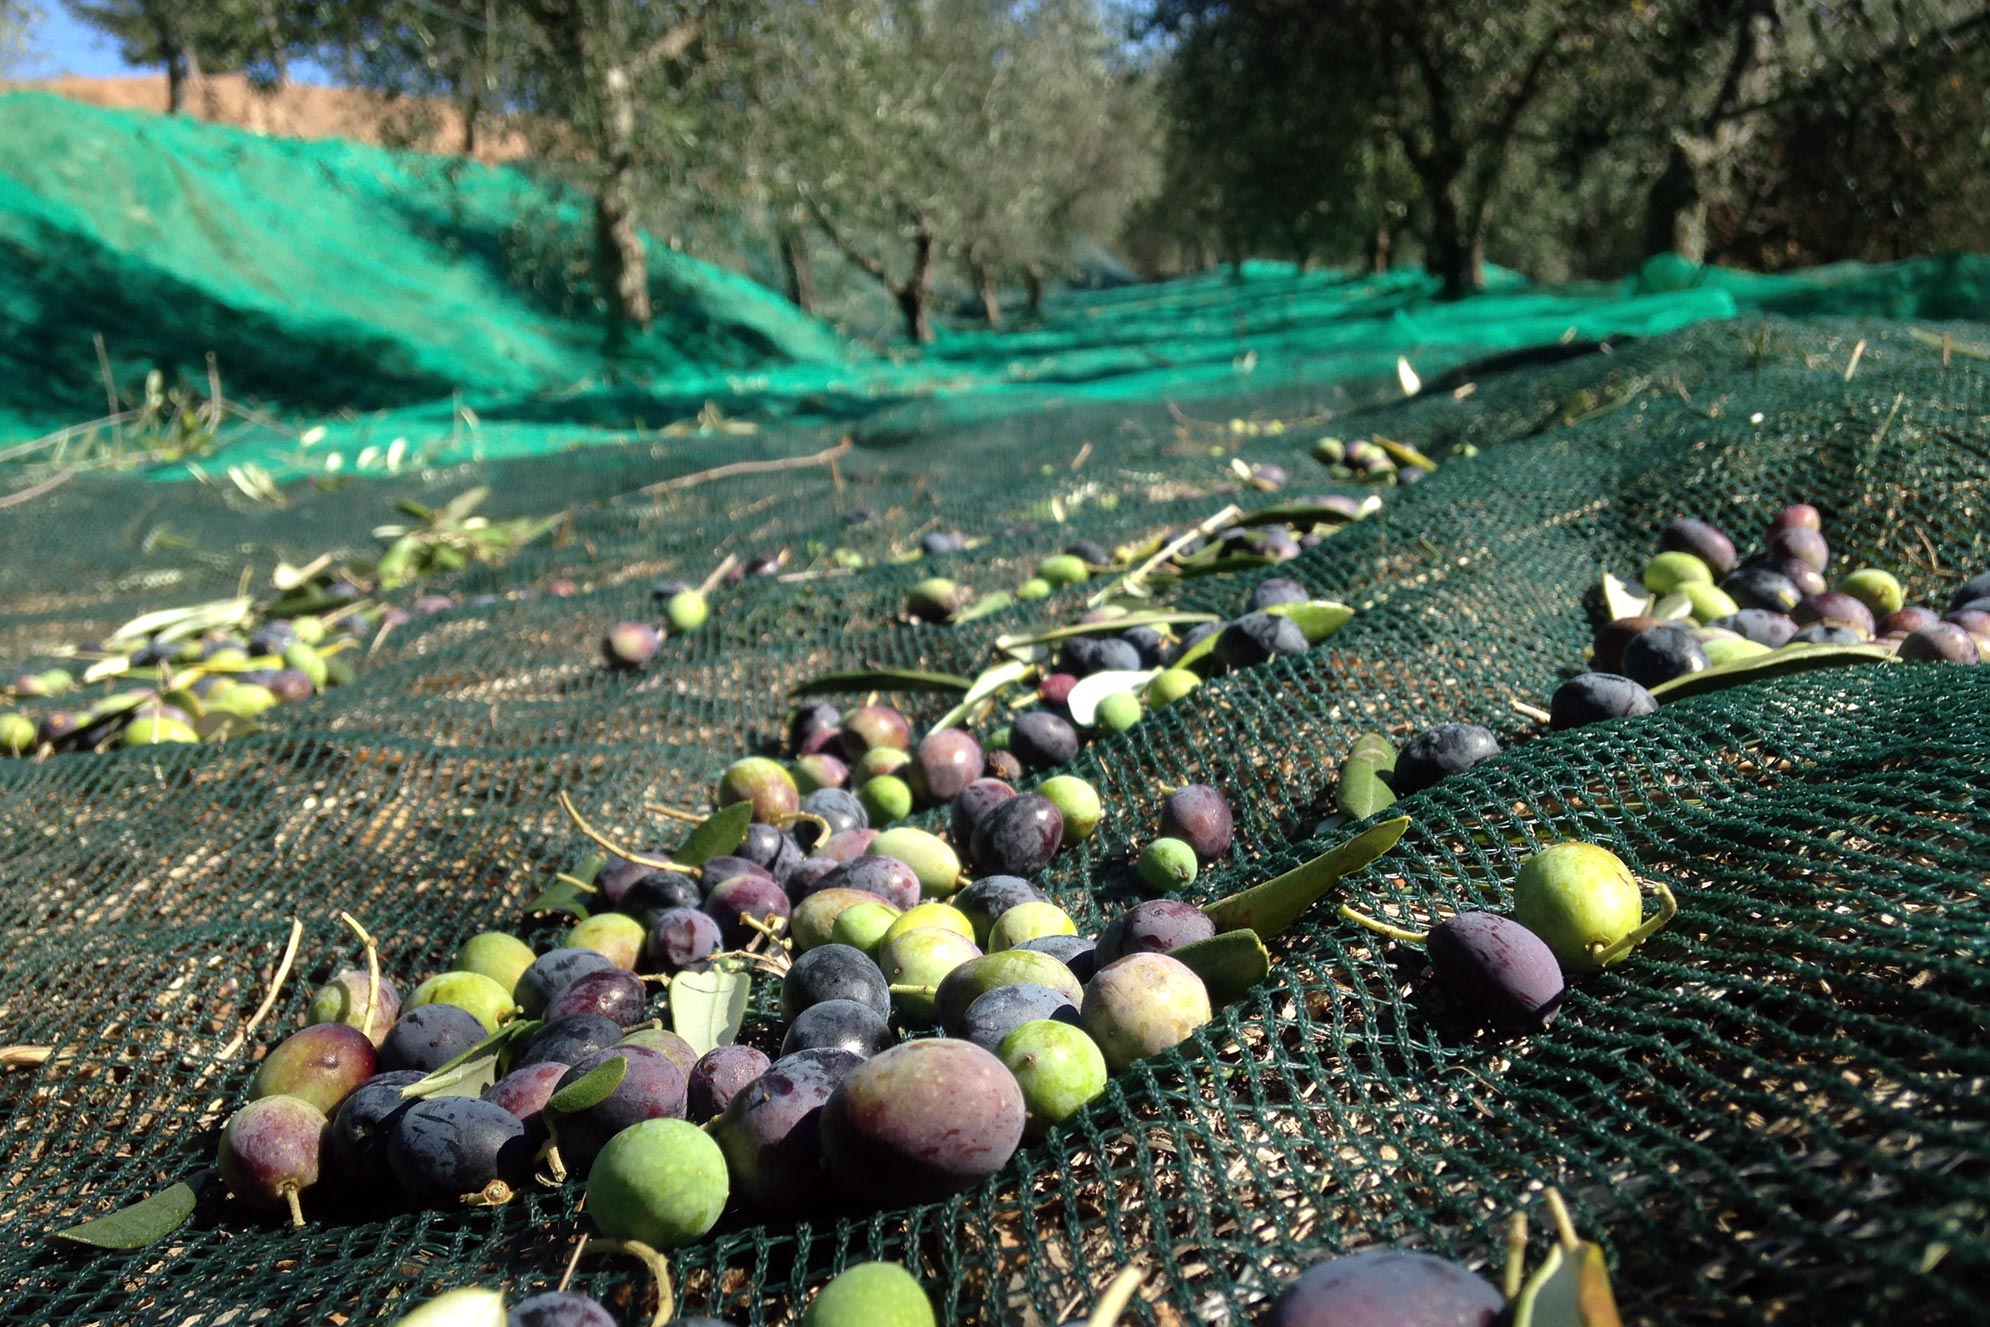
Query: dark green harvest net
(1777,1111)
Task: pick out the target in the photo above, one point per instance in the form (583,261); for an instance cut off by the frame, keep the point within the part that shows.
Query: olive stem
(1564,1226)
(913,990)
(1383,928)
(1668,908)
(718,574)
(1118,1294)
(576,882)
(675,814)
(296,1208)
(660,863)
(372,972)
(241,1038)
(566,1277)
(659,1268)
(1516,1255)
(813,819)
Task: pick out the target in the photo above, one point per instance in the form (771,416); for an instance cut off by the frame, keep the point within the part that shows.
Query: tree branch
(666,48)
(876,269)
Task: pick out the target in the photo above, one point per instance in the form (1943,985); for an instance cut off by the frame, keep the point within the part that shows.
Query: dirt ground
(299,111)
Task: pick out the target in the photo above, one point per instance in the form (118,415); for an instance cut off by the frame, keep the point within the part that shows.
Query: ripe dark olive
(1500,973)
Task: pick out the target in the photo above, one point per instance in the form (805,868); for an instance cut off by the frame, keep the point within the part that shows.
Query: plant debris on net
(1776,1112)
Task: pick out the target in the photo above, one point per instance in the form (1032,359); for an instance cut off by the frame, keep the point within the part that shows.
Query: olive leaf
(1788,659)
(1362,791)
(880,679)
(591,1088)
(143,1222)
(1571,1288)
(1317,618)
(1313,513)
(1620,600)
(1004,674)
(564,895)
(475,1069)
(1083,702)
(982,607)
(1200,657)
(1111,627)
(707,1008)
(1276,904)
(1229,964)
(717,835)
(1402,453)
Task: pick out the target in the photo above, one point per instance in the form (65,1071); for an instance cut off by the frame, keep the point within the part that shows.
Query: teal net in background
(1774,1113)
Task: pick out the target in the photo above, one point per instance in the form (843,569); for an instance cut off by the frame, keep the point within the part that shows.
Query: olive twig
(1381,927)
(372,972)
(1668,908)
(1516,1255)
(673,813)
(566,1277)
(576,882)
(718,574)
(1118,1293)
(282,974)
(1564,1227)
(659,1268)
(660,863)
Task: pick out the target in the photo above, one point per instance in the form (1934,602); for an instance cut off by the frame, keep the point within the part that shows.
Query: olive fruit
(1075,952)
(1835,609)
(1170,685)
(682,940)
(567,1041)
(1762,626)
(1668,572)
(770,1131)
(1077,802)
(887,877)
(1198,815)
(886,798)
(1256,637)
(1028,921)
(1607,646)
(1018,837)
(975,978)
(839,807)
(818,771)
(1387,1288)
(17,733)
(1821,633)
(1707,602)
(1157,926)
(344,998)
(271,1151)
(717,1077)
(871,1294)
(844,1025)
(1438,753)
(1659,655)
(446,1148)
(1804,543)
(1757,586)
(357,1142)
(630,645)
(1034,588)
(1058,1068)
(652,1088)
(930,914)
(976,800)
(320,1064)
(1582,901)
(917,961)
(1901,621)
(1499,973)
(1142,1005)
(1062,569)
(745,896)
(616,994)
(503,958)
(1594,697)
(1799,514)
(686,611)
(1118,712)
(1703,541)
(765,784)
(1041,739)
(524,1093)
(833,972)
(931,858)
(944,763)
(817,918)
(992,895)
(1880,591)
(427,1038)
(1275,590)
(922,1121)
(996,1013)
(660,1182)
(559,1308)
(871,726)
(1940,642)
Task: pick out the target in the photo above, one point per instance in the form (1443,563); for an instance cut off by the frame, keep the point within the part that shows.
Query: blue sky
(61,45)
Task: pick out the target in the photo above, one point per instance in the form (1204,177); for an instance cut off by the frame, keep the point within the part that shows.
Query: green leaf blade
(591,1088)
(1271,907)
(1230,964)
(1777,663)
(880,679)
(707,1009)
(1362,790)
(719,833)
(143,1222)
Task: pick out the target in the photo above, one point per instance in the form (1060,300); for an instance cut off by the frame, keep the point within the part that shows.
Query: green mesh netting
(447,306)
(1775,1113)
